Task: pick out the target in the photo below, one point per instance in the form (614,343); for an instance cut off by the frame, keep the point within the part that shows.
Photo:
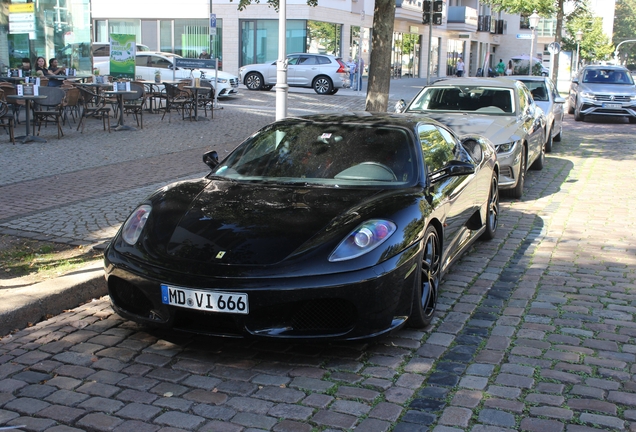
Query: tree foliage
(595,44)
(625,29)
(545,8)
(242,4)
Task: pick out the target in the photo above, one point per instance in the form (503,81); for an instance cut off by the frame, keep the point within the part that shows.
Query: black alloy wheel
(427,282)
(492,217)
(322,85)
(253,81)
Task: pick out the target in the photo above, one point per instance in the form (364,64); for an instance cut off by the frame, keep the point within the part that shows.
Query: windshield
(491,100)
(324,154)
(607,76)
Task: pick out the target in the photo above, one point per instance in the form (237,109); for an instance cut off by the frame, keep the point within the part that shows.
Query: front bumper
(353,305)
(607,108)
(509,167)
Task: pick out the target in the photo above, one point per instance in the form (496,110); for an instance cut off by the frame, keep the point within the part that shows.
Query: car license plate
(211,301)
(612,106)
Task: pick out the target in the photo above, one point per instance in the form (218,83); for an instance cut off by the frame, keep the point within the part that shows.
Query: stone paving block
(288,411)
(357,393)
(173,404)
(134,425)
(540,425)
(473,382)
(32,424)
(179,420)
(214,412)
(504,404)
(552,412)
(137,411)
(496,418)
(66,397)
(62,413)
(373,425)
(484,370)
(252,420)
(456,416)
(99,421)
(330,418)
(292,426)
(604,421)
(277,394)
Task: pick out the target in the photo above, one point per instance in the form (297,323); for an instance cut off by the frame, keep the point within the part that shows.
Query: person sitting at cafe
(54,69)
(40,67)
(26,67)
(204,55)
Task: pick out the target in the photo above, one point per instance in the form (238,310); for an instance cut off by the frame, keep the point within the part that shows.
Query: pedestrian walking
(501,68)
(509,68)
(360,71)
(352,73)
(459,67)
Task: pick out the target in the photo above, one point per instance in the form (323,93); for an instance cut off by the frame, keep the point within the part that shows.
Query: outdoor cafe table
(80,78)
(15,80)
(120,104)
(27,106)
(195,101)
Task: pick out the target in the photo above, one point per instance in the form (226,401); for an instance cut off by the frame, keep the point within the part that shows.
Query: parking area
(535,330)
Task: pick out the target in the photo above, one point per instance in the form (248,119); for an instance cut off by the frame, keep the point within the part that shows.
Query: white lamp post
(579,38)
(534,22)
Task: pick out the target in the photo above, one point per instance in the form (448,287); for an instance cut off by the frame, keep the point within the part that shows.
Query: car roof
(315,54)
(605,67)
(475,81)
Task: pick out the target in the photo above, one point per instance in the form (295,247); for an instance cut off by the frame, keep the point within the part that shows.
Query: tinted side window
(436,150)
(323,60)
(142,60)
(307,60)
(101,51)
(292,60)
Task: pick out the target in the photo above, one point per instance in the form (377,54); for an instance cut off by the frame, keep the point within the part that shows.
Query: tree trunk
(554,72)
(380,60)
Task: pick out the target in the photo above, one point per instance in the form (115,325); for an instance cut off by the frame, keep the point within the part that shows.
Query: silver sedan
(547,98)
(499,109)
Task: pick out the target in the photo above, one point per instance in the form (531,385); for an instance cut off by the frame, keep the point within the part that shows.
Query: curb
(20,307)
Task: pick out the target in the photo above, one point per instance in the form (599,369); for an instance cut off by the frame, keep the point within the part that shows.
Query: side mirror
(575,80)
(559,100)
(400,106)
(453,169)
(211,159)
(474,149)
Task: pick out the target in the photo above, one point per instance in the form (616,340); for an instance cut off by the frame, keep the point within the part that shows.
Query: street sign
(524,36)
(212,20)
(554,48)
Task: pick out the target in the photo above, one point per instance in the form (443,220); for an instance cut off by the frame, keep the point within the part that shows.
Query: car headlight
(632,98)
(221,80)
(135,223)
(363,239)
(505,147)
(587,95)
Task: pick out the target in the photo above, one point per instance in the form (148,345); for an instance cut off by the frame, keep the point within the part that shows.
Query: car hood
(613,89)
(498,129)
(248,224)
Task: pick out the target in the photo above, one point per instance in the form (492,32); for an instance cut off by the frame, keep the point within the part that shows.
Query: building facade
(46,28)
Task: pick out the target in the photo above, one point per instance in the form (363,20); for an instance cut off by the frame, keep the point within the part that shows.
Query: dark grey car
(603,91)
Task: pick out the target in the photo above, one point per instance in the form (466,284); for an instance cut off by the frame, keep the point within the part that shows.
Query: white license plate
(211,301)
(612,106)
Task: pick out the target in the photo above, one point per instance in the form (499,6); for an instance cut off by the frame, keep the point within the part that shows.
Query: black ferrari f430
(323,226)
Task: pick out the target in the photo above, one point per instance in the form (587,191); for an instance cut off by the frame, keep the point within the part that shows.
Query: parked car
(148,62)
(500,109)
(324,73)
(324,226)
(603,90)
(546,96)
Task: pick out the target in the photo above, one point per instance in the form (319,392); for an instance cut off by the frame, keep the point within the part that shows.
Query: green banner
(123,49)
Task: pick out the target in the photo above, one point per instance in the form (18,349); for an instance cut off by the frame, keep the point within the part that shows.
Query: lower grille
(506,171)
(128,297)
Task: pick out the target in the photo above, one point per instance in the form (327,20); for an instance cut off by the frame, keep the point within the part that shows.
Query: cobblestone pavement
(535,330)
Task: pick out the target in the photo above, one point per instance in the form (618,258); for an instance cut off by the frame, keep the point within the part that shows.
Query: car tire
(517,191)
(570,107)
(548,142)
(334,91)
(322,85)
(557,137)
(539,162)
(492,216)
(632,120)
(427,281)
(577,114)
(253,81)
(266,87)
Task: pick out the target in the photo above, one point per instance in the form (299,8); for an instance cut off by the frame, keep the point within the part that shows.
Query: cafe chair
(135,103)
(6,119)
(10,90)
(206,100)
(176,99)
(49,109)
(93,105)
(72,105)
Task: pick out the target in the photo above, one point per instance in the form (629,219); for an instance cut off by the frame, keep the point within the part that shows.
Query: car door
(531,124)
(305,70)
(292,61)
(558,108)
(451,194)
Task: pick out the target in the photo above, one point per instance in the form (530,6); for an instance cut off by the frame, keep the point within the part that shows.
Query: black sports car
(323,226)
